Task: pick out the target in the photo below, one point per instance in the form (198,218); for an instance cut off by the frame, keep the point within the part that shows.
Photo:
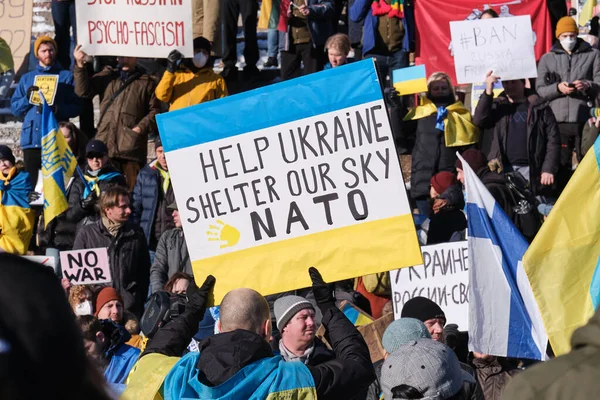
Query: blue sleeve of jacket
(19,103)
(359,10)
(71,103)
(322,10)
(136,210)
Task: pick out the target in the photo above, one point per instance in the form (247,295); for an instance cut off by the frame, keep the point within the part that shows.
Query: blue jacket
(268,378)
(121,363)
(320,24)
(66,104)
(145,199)
(361,11)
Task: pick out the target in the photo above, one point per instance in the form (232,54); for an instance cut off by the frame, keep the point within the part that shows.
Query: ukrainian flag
(587,12)
(562,262)
(58,165)
(410,80)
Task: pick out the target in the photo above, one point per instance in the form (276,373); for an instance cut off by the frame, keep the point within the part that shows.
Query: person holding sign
(239,362)
(128,254)
(127,110)
(58,89)
(526,135)
(569,78)
(16,215)
(97,177)
(190,81)
(441,125)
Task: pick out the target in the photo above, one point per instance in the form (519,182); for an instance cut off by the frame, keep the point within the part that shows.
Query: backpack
(526,217)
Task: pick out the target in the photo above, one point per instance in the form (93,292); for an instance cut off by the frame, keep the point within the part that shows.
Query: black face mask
(442,100)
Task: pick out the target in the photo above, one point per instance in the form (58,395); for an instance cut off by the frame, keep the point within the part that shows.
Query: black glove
(172,59)
(199,298)
(89,202)
(32,89)
(33,196)
(323,294)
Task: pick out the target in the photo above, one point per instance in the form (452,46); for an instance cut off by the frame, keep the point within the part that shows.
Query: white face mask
(200,59)
(568,43)
(84,308)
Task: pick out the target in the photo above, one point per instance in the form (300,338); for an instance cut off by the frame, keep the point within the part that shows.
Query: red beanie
(475,158)
(442,181)
(107,294)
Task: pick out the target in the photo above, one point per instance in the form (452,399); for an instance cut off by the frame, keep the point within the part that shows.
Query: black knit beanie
(422,309)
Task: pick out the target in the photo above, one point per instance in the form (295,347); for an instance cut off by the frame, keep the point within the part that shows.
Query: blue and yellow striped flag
(587,12)
(562,262)
(58,165)
(410,80)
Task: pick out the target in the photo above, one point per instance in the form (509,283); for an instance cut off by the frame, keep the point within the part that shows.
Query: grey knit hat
(286,307)
(402,331)
(429,366)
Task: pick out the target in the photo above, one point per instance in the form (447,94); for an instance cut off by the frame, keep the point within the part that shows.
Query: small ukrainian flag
(410,80)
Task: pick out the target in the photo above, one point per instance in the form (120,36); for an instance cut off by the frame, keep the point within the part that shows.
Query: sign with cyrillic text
(86,267)
(269,183)
(135,28)
(504,45)
(443,278)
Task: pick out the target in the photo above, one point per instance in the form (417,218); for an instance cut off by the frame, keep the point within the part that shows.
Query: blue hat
(402,331)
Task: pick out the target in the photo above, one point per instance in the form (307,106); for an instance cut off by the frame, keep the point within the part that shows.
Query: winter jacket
(147,196)
(135,106)
(319,23)
(584,65)
(128,257)
(430,154)
(66,104)
(16,215)
(492,376)
(573,376)
(361,11)
(171,256)
(121,357)
(185,88)
(76,213)
(60,232)
(450,219)
(227,354)
(543,138)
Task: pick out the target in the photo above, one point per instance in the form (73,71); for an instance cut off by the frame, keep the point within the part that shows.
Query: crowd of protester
(523,145)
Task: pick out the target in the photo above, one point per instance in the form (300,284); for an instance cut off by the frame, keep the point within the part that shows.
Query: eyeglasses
(92,156)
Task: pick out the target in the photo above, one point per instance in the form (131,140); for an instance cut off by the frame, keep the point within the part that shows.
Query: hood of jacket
(225,354)
(588,335)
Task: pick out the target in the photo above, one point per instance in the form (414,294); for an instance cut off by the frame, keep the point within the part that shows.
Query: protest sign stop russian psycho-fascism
(135,28)
(298,174)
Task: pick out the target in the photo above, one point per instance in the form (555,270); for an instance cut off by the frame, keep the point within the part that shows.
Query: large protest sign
(15,28)
(443,277)
(298,174)
(135,28)
(504,45)
(432,26)
(84,267)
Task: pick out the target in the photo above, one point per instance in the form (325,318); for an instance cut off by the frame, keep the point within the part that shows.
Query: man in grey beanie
(296,321)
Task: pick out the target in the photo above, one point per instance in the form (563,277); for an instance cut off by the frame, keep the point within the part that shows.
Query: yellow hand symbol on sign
(223,233)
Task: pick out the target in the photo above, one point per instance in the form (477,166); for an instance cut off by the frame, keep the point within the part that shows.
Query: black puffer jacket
(496,184)
(543,138)
(225,354)
(76,213)
(128,257)
(429,155)
(60,232)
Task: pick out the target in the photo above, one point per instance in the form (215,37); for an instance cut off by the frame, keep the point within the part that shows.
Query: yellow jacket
(185,88)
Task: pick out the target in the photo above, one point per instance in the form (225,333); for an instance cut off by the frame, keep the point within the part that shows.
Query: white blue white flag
(504,318)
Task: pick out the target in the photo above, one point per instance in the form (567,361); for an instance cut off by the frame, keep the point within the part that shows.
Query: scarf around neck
(395,9)
(111,226)
(289,356)
(454,120)
(165,175)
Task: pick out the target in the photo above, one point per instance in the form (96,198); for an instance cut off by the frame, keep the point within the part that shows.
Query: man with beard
(66,104)
(440,127)
(127,109)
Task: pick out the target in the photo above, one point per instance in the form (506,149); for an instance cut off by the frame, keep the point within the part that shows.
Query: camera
(161,308)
